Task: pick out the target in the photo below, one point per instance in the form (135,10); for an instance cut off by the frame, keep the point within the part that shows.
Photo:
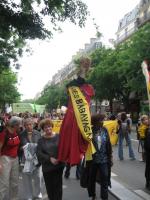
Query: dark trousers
(78,170)
(102,169)
(53,183)
(147,169)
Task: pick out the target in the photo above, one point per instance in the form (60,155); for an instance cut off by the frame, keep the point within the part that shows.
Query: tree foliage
(25,19)
(11,48)
(117,72)
(53,96)
(26,16)
(8,90)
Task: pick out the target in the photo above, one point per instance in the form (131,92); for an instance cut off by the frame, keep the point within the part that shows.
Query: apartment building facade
(127,26)
(69,71)
(144,12)
(132,21)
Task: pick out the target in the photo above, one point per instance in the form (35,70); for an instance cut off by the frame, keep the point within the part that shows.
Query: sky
(50,56)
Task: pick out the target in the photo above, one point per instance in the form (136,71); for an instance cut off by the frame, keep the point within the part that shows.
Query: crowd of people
(28,141)
(21,140)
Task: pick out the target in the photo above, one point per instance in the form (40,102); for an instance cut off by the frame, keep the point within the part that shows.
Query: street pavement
(71,189)
(128,180)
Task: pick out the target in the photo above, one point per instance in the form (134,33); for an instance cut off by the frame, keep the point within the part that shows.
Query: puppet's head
(84,67)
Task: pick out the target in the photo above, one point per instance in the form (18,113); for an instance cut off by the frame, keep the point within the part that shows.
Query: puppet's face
(85,64)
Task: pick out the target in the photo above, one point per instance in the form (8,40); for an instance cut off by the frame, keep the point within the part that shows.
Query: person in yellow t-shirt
(141,133)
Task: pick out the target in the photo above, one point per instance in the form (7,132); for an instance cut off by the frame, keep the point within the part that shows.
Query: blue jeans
(120,145)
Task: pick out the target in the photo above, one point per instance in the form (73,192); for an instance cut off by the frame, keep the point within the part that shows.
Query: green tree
(28,101)
(53,96)
(9,93)
(11,48)
(117,72)
(26,16)
(130,55)
(25,19)
(103,77)
(137,50)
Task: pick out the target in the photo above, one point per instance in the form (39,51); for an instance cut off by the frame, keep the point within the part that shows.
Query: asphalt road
(130,173)
(71,189)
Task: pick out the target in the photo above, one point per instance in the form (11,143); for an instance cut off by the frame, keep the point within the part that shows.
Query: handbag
(84,175)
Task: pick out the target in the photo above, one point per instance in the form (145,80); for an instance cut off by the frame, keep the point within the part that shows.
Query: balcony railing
(143,20)
(126,35)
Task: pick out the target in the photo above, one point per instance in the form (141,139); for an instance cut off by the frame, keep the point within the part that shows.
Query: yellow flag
(112,127)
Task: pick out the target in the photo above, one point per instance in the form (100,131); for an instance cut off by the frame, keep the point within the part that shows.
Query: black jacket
(36,135)
(108,151)
(48,147)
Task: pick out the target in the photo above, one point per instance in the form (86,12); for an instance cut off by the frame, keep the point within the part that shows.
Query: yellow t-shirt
(141,130)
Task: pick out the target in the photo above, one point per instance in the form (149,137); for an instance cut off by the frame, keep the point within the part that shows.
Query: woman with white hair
(9,172)
(32,170)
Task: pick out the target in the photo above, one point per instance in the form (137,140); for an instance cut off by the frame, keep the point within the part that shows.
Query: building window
(126,31)
(145,14)
(120,25)
(98,45)
(143,2)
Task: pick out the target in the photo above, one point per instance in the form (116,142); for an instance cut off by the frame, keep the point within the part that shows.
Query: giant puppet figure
(75,132)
